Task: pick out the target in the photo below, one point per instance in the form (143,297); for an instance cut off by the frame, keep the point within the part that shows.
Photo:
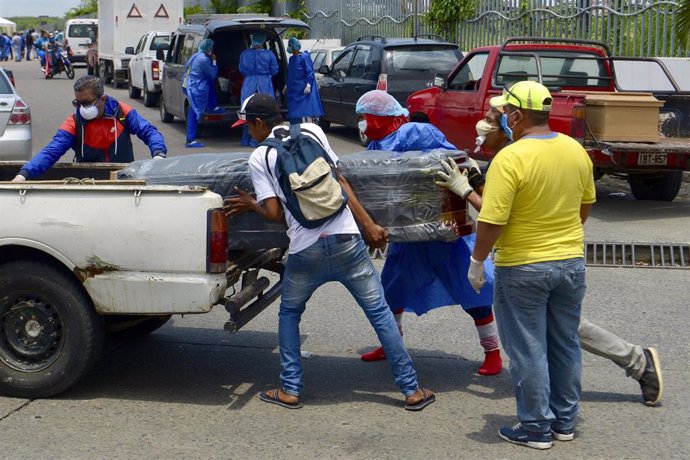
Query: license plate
(652,159)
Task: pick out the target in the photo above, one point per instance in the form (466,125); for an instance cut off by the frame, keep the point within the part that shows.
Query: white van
(78,34)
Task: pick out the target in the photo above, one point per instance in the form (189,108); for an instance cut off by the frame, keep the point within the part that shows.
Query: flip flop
(271,397)
(194,145)
(427,399)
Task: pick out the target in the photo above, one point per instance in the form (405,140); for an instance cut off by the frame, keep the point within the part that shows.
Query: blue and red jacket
(103,140)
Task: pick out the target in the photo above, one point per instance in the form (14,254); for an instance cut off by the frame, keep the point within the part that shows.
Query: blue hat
(258,38)
(294,44)
(206,45)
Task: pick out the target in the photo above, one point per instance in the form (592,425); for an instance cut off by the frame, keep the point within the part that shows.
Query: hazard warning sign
(162,12)
(134,12)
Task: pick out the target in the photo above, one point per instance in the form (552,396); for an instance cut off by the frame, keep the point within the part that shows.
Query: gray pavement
(189,390)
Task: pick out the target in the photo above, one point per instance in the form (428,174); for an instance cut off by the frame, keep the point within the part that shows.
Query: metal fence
(630,28)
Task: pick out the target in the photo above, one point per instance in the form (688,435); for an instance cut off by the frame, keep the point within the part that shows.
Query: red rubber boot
(377,355)
(492,364)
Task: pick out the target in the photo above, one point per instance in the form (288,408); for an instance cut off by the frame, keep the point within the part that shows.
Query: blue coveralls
(301,73)
(200,90)
(425,275)
(258,65)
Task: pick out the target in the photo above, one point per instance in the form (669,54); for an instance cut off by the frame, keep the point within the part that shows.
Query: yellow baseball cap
(527,94)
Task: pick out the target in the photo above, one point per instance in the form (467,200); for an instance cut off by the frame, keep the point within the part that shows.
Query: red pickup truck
(571,69)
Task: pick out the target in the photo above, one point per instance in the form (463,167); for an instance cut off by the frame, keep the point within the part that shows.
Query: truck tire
(132,326)
(50,335)
(134,93)
(150,99)
(166,117)
(659,187)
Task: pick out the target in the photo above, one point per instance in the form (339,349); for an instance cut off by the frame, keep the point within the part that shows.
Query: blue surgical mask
(505,127)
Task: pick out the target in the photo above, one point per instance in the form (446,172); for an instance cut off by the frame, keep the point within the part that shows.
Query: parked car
(409,65)
(324,56)
(145,68)
(15,123)
(79,33)
(231,35)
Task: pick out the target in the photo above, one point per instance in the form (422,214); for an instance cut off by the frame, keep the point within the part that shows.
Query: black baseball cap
(258,105)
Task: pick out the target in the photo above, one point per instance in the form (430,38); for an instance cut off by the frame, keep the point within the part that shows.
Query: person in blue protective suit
(99,131)
(40,51)
(258,66)
(304,103)
(422,276)
(199,85)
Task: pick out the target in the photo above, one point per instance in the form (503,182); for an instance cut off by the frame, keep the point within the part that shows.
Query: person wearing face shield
(199,85)
(641,364)
(98,131)
(422,276)
(304,102)
(538,193)
(259,66)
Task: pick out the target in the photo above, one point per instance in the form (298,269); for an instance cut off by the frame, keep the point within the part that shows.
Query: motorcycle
(62,63)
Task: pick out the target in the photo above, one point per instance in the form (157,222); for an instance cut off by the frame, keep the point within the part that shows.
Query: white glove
(19,178)
(307,89)
(473,164)
(454,179)
(476,274)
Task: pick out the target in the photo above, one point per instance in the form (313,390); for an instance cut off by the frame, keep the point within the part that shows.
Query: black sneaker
(651,383)
(533,439)
(563,435)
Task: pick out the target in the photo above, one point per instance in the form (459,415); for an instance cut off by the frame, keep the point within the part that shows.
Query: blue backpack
(307,177)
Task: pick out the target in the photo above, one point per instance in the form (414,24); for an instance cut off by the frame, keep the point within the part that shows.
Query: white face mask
(89,113)
(362,125)
(478,142)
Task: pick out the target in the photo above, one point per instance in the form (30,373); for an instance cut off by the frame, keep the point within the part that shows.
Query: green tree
(222,6)
(90,7)
(259,6)
(444,15)
(683,17)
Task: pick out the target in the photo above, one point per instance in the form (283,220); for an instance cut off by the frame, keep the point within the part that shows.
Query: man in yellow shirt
(538,193)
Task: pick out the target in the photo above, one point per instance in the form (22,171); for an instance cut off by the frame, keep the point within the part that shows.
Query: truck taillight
(20,114)
(217,241)
(579,122)
(155,70)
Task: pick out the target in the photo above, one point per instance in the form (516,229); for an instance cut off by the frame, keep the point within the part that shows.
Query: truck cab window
(469,75)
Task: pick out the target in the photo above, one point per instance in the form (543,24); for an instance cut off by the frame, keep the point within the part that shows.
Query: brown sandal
(273,397)
(427,398)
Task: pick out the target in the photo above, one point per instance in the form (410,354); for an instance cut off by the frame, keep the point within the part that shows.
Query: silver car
(15,123)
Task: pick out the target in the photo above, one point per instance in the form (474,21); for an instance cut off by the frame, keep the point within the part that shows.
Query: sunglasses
(506,90)
(76,104)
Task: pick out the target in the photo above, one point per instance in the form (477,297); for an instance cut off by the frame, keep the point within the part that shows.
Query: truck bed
(665,145)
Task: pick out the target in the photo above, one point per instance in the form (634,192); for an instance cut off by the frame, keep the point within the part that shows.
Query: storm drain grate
(637,255)
(631,255)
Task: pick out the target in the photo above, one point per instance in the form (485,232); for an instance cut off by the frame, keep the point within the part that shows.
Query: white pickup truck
(145,69)
(80,260)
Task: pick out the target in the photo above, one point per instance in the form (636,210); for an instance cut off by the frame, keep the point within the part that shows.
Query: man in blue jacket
(99,131)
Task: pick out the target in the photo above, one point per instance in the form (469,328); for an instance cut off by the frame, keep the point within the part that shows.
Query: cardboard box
(622,117)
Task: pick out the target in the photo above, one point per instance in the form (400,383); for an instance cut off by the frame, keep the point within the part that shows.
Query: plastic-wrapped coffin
(397,189)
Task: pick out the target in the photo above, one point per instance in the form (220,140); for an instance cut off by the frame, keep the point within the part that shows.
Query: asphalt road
(189,390)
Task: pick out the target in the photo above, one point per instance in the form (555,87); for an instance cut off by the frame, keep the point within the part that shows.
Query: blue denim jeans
(341,258)
(537,308)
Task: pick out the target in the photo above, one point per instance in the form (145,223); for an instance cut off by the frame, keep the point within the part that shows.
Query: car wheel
(134,93)
(150,99)
(165,116)
(50,334)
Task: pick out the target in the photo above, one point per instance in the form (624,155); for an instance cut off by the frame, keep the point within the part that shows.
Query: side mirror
(129,50)
(324,69)
(160,55)
(440,81)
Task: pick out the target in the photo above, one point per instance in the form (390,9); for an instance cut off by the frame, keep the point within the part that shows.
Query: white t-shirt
(266,186)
